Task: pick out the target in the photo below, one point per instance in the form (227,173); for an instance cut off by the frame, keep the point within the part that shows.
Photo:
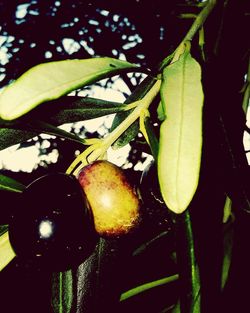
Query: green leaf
(3,229)
(160,112)
(129,134)
(52,80)
(19,132)
(227,210)
(180,141)
(10,184)
(10,137)
(73,109)
(43,127)
(6,252)
(147,286)
(228,240)
(153,140)
(62,292)
(65,110)
(188,268)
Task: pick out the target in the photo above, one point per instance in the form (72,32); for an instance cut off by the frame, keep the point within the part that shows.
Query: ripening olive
(114,203)
(52,227)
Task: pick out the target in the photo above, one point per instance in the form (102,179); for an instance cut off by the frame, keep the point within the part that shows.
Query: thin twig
(195,27)
(199,21)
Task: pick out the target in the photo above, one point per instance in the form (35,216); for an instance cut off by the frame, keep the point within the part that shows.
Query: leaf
(10,184)
(142,288)
(129,134)
(52,80)
(133,130)
(10,137)
(65,110)
(15,133)
(180,141)
(187,265)
(62,292)
(3,229)
(160,112)
(6,251)
(73,109)
(228,240)
(43,127)
(153,140)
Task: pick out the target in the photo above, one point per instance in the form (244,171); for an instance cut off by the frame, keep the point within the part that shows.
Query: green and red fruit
(111,197)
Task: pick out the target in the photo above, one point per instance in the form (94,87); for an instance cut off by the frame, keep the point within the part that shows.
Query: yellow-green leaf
(51,80)
(6,251)
(180,141)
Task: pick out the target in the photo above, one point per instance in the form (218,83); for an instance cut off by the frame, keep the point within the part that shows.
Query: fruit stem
(98,149)
(142,106)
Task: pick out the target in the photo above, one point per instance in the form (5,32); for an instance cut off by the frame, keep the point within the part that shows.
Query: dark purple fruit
(53,227)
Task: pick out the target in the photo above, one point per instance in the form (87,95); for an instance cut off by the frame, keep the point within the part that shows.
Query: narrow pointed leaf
(65,110)
(52,80)
(180,141)
(160,112)
(187,265)
(153,140)
(43,127)
(10,137)
(3,229)
(20,132)
(73,109)
(62,292)
(129,134)
(6,252)
(10,184)
(147,286)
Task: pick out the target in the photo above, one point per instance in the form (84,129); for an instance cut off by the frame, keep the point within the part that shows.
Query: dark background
(143,32)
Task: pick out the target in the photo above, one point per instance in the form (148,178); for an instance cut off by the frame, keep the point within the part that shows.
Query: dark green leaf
(153,140)
(65,110)
(18,132)
(142,288)
(52,80)
(62,292)
(188,270)
(3,229)
(129,134)
(10,184)
(99,278)
(43,127)
(10,137)
(73,109)
(228,245)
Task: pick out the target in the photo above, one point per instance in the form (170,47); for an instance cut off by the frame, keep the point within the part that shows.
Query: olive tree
(188,76)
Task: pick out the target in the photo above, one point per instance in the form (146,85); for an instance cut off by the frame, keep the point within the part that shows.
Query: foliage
(199,152)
